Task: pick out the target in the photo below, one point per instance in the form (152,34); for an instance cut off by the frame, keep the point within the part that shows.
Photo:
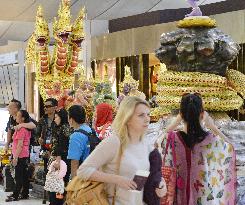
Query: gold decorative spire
(82,72)
(77,27)
(63,24)
(41,25)
(30,50)
(129,80)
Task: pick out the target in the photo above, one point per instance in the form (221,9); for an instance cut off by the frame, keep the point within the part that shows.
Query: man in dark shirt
(13,108)
(45,128)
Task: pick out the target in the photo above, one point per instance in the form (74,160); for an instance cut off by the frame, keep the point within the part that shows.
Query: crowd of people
(204,160)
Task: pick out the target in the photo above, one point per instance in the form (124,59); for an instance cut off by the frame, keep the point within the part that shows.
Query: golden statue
(55,76)
(129,86)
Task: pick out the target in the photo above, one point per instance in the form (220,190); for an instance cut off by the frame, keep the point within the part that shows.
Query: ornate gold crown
(77,28)
(63,24)
(41,25)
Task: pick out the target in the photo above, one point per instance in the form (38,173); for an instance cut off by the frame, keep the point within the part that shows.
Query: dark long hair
(191,108)
(25,115)
(62,113)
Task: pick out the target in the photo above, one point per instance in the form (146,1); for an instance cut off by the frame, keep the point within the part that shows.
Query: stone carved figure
(199,49)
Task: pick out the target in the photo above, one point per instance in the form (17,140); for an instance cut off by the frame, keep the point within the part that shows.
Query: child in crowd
(55,183)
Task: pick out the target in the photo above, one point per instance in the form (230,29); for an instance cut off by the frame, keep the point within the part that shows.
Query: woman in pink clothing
(20,151)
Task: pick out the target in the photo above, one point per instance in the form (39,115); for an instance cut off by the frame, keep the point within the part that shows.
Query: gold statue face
(41,28)
(77,35)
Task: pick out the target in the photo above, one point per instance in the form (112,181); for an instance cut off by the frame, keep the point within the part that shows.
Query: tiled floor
(30,201)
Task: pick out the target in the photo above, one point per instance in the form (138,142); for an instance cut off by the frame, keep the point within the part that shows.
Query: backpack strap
(93,132)
(88,134)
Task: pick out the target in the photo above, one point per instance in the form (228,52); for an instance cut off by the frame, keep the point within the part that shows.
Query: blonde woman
(129,126)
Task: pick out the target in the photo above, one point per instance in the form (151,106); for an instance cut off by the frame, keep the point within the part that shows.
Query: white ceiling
(17,16)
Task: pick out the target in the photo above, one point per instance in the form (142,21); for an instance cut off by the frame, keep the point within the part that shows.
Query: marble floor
(30,201)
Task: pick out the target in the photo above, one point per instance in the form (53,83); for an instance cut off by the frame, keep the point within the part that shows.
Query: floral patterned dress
(207,171)
(60,140)
(104,131)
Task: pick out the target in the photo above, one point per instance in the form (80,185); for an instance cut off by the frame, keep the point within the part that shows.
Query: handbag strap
(170,140)
(117,173)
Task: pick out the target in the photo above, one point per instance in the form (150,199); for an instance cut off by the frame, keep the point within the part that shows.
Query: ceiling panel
(128,8)
(19,31)
(17,17)
(176,4)
(25,10)
(9,10)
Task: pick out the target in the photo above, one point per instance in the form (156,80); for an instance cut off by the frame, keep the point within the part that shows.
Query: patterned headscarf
(104,114)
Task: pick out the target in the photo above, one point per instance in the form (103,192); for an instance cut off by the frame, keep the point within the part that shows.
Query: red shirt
(24,134)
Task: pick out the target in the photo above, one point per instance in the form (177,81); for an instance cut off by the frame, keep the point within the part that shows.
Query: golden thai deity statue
(55,76)
(103,90)
(129,86)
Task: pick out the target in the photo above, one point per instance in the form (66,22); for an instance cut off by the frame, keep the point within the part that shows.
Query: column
(145,70)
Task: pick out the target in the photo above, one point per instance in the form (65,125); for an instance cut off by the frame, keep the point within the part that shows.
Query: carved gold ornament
(55,75)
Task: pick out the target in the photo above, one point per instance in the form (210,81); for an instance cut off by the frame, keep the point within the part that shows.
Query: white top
(135,157)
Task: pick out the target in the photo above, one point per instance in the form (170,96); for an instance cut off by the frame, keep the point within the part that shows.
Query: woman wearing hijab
(103,119)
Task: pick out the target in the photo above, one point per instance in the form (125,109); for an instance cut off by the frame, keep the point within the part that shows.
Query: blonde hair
(124,113)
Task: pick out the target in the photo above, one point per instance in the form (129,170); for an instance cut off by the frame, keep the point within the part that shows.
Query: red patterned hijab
(104,114)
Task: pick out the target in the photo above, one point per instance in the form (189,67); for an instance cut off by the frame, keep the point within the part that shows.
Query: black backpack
(93,140)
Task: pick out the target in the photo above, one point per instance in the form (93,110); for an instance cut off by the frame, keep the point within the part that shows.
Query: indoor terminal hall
(122,102)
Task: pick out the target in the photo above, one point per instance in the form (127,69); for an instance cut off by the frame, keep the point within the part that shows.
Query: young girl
(54,182)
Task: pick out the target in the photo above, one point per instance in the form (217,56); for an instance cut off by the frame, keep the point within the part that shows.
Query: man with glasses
(13,108)
(45,128)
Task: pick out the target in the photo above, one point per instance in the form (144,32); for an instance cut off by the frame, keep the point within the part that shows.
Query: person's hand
(175,123)
(18,127)
(57,162)
(6,148)
(208,121)
(56,165)
(125,183)
(40,141)
(162,190)
(58,158)
(14,161)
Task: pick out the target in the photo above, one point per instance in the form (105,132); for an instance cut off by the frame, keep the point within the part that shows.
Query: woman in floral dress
(205,162)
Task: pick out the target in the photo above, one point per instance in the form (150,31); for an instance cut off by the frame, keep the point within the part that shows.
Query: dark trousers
(53,200)
(45,166)
(21,178)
